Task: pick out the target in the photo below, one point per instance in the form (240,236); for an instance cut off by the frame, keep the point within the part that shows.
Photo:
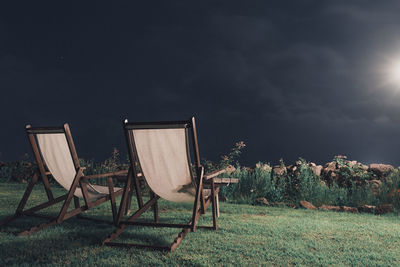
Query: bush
(352,188)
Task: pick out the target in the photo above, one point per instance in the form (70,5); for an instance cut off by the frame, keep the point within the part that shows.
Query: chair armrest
(223,181)
(213,174)
(103,175)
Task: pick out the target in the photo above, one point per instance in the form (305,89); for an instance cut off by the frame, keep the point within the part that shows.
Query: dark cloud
(290,79)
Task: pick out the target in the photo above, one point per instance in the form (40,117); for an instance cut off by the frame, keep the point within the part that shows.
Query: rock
(367,208)
(380,169)
(312,164)
(330,167)
(307,205)
(279,170)
(317,169)
(348,209)
(384,208)
(364,167)
(328,207)
(264,167)
(262,200)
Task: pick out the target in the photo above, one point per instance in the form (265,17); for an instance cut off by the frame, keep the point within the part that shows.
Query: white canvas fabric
(163,158)
(58,159)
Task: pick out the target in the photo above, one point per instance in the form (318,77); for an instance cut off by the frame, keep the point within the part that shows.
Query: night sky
(291,79)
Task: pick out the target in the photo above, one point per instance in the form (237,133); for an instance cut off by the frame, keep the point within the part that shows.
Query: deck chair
(55,154)
(159,153)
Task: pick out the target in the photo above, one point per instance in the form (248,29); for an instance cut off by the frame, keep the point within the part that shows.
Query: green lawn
(247,235)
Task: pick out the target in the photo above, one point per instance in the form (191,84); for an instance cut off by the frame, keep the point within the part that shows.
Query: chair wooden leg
(37,228)
(199,191)
(217,201)
(112,199)
(67,201)
(214,205)
(155,206)
(76,202)
(202,202)
(27,193)
(155,210)
(125,195)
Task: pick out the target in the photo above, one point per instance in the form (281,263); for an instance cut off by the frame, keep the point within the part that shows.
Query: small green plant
(226,160)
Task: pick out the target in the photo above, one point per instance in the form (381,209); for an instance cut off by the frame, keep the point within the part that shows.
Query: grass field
(247,235)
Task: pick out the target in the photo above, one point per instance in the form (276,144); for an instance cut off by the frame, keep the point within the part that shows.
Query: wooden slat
(37,228)
(213,174)
(104,175)
(153,224)
(223,181)
(46,204)
(130,245)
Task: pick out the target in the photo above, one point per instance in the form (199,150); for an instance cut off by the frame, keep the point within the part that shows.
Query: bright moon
(393,73)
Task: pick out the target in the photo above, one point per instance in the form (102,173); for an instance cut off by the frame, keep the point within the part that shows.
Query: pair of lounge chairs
(159,154)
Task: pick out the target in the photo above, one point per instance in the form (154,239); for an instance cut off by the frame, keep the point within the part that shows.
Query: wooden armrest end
(223,181)
(213,174)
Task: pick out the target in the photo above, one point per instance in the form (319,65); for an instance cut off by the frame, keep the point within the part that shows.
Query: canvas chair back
(58,154)
(163,155)
(57,157)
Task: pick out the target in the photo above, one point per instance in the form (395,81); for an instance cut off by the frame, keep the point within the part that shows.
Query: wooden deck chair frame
(80,181)
(132,184)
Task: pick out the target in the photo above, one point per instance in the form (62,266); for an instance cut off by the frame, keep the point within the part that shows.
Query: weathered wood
(214,205)
(200,172)
(85,192)
(155,206)
(27,193)
(178,239)
(45,205)
(37,228)
(124,199)
(223,181)
(130,245)
(79,179)
(200,199)
(105,175)
(213,174)
(112,198)
(99,201)
(154,224)
(70,195)
(71,146)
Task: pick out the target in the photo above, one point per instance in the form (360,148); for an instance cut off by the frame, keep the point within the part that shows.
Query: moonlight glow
(393,73)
